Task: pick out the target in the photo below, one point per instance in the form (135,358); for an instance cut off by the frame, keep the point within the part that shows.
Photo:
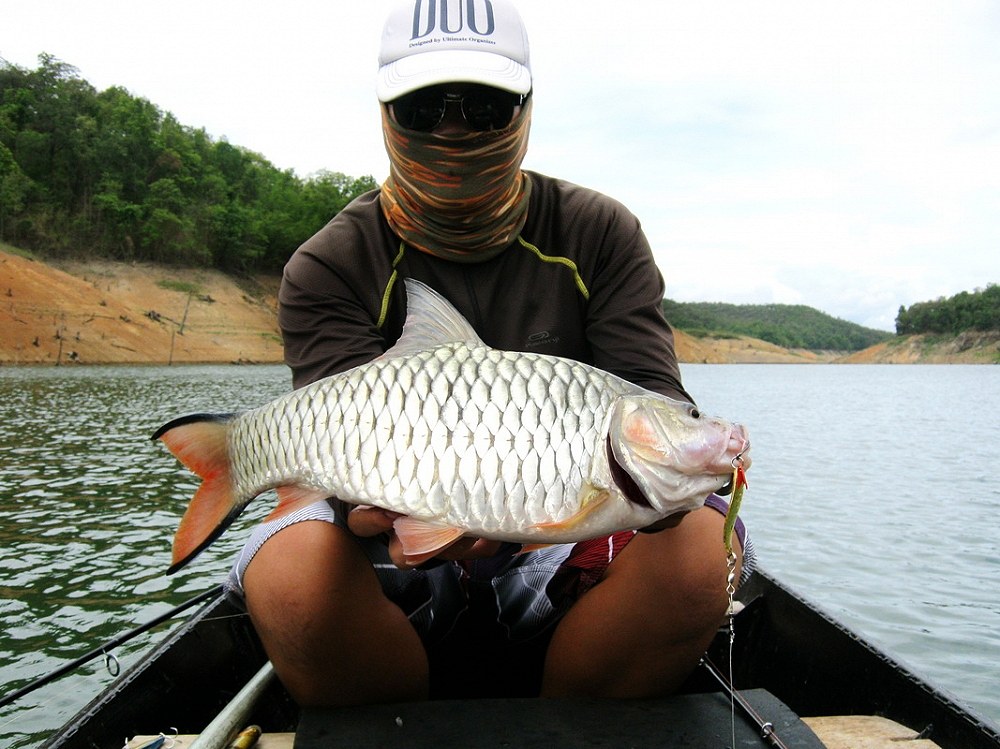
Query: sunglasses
(483,108)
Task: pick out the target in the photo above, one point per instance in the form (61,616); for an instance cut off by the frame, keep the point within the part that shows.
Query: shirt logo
(541,338)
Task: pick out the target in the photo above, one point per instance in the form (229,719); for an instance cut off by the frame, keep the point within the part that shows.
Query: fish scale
(468,437)
(459,438)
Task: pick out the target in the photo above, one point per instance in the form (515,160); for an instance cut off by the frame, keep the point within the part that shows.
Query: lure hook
(737,461)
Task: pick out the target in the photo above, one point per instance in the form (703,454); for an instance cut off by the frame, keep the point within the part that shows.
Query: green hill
(106,174)
(977,310)
(787,325)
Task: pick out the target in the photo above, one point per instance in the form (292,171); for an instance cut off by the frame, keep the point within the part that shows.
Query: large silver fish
(462,439)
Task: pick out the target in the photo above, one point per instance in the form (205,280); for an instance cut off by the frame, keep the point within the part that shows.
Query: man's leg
(332,635)
(642,629)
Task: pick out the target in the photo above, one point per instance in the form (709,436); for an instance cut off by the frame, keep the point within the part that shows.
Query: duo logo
(453,17)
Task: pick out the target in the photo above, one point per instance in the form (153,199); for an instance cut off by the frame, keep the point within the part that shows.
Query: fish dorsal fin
(431,320)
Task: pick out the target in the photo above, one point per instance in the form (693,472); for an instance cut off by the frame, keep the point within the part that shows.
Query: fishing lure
(159,742)
(739,486)
(156,743)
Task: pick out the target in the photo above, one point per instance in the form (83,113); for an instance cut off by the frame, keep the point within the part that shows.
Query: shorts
(525,593)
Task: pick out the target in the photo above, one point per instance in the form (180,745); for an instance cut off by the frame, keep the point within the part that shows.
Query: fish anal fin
(592,502)
(292,496)
(422,539)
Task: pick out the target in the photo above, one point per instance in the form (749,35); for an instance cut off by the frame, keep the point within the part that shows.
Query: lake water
(874,492)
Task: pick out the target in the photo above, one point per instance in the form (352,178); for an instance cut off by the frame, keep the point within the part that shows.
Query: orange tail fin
(199,442)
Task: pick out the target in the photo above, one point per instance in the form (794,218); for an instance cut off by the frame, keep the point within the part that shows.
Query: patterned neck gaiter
(463,198)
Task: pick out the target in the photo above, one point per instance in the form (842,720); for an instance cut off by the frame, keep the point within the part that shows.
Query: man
(535,264)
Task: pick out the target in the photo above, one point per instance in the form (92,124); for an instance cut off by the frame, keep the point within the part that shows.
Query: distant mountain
(787,325)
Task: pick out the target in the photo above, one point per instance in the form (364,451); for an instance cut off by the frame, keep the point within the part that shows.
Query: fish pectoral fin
(292,497)
(422,539)
(591,502)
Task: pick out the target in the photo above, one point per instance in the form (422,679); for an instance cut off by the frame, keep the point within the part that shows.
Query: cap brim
(451,66)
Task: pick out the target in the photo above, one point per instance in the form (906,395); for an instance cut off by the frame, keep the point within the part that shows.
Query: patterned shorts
(529,591)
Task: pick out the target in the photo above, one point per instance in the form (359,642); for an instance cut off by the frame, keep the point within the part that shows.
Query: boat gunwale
(773,650)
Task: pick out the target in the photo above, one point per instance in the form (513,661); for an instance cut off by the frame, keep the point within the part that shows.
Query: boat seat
(687,721)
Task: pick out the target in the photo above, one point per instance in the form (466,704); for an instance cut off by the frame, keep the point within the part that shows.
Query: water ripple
(870,492)
(88,507)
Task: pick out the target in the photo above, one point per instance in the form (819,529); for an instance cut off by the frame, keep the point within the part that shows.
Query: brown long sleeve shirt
(579,282)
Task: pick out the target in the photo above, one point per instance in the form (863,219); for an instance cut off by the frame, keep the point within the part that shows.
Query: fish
(460,439)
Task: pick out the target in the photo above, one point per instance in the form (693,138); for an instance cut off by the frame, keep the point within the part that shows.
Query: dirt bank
(971,347)
(115,313)
(100,312)
(742,350)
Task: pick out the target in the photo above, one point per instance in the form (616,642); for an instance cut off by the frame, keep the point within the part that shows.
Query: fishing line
(739,484)
(104,649)
(764,727)
(241,615)
(731,590)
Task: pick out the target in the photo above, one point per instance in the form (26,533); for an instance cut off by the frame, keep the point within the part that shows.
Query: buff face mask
(460,198)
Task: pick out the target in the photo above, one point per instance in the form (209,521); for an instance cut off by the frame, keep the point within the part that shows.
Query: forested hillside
(108,174)
(790,326)
(88,174)
(978,310)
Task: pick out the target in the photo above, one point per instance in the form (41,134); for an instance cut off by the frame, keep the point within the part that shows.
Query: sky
(840,154)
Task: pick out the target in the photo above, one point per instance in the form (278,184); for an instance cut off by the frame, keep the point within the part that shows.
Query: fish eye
(694,413)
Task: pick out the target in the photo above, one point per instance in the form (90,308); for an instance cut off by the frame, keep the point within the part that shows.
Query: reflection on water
(872,492)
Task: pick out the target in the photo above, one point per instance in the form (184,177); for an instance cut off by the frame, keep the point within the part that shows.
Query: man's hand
(367,521)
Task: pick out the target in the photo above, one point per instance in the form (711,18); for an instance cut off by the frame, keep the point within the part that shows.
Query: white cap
(426,42)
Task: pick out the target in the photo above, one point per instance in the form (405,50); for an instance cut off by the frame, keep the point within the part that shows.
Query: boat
(798,679)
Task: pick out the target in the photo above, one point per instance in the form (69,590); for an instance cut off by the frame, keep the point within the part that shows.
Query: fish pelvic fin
(199,442)
(421,539)
(526,548)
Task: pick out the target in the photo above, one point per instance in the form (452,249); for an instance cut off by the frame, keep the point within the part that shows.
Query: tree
(109,173)
(978,310)
(15,187)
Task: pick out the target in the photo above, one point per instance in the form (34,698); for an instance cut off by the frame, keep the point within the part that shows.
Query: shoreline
(106,313)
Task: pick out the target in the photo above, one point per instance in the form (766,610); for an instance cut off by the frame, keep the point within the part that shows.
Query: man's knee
(325,622)
(683,567)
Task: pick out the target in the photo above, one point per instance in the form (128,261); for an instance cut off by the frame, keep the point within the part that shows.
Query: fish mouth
(623,479)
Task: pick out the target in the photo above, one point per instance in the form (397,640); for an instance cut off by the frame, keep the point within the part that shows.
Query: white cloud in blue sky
(844,155)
